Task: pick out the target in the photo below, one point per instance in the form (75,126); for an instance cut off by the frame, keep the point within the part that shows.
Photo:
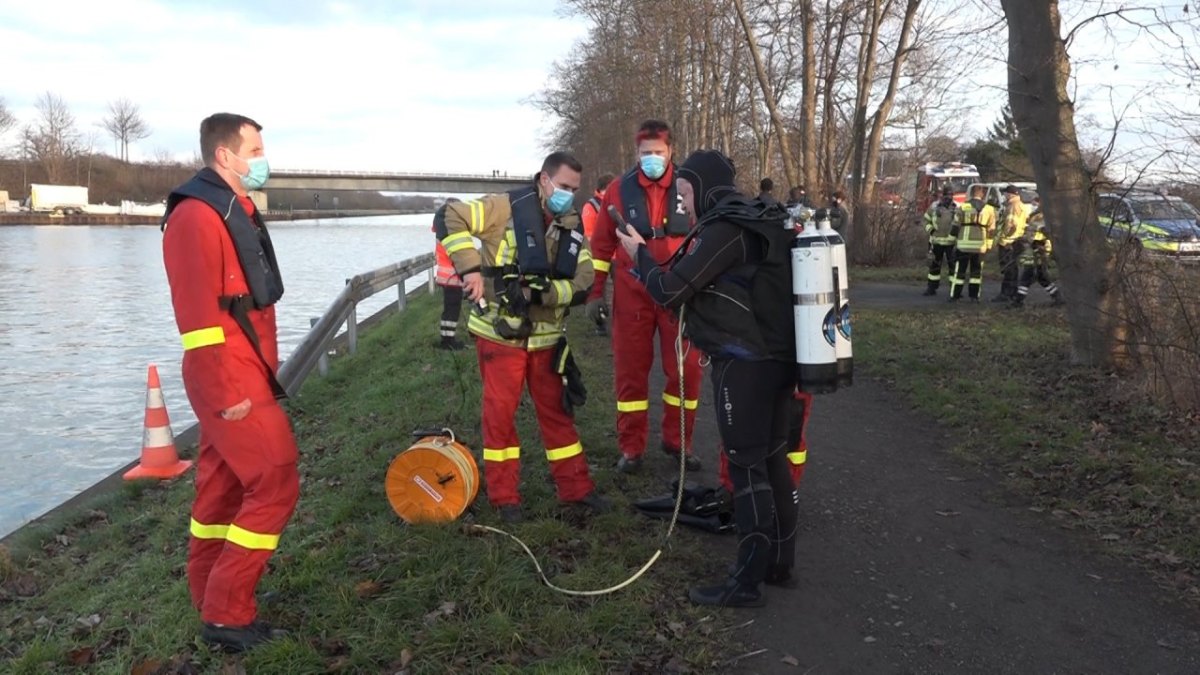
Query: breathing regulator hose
(680,353)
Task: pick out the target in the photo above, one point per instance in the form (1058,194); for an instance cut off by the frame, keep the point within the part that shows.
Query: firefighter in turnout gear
(939,221)
(224,283)
(533,265)
(1011,242)
(973,234)
(451,284)
(647,199)
(588,214)
(1035,259)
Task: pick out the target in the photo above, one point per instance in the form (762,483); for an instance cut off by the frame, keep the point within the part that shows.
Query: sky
(419,85)
(424,85)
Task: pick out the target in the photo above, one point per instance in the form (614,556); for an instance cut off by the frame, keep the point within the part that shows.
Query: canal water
(85,309)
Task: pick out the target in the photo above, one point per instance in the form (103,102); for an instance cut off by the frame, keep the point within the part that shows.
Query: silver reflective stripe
(813,299)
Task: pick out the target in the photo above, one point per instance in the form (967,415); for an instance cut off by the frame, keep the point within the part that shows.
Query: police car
(1154,222)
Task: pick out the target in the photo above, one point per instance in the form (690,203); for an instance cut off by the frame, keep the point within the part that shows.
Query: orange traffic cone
(159,459)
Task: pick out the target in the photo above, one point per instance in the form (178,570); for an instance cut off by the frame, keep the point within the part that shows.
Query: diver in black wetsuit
(733,279)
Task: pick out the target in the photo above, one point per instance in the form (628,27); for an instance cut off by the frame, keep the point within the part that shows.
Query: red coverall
(246,478)
(635,318)
(798,456)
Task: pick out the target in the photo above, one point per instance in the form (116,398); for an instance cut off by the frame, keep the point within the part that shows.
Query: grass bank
(1083,450)
(105,589)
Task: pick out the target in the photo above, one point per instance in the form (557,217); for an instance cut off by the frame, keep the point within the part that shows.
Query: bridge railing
(313,351)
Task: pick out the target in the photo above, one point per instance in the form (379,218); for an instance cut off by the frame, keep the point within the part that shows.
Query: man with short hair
(797,197)
(646,198)
(939,220)
(765,186)
(973,235)
(224,283)
(1011,243)
(536,266)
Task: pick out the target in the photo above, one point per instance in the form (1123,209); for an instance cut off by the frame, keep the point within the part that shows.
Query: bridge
(391,181)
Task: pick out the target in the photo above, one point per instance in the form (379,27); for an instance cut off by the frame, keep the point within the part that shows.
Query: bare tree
(7,119)
(125,125)
(52,139)
(789,165)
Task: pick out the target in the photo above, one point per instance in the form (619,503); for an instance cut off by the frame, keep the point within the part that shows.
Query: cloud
(436,86)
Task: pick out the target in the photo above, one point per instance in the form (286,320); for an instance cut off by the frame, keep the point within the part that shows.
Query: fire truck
(933,176)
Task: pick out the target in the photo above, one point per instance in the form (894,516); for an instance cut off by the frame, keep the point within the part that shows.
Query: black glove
(510,295)
(574,393)
(954,231)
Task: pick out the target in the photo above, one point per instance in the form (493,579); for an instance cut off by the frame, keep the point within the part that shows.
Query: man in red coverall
(645,198)
(246,478)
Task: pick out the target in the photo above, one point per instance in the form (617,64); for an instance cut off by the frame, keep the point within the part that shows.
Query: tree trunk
(866,78)
(831,170)
(789,165)
(1039,72)
(808,97)
(889,98)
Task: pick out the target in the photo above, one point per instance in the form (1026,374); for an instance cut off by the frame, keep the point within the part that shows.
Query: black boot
(451,344)
(629,464)
(930,291)
(691,462)
(594,502)
(728,593)
(240,638)
(510,513)
(781,576)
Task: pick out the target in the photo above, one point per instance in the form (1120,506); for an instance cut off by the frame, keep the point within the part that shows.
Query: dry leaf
(81,656)
(1111,537)
(147,667)
(406,657)
(948,514)
(791,660)
(367,589)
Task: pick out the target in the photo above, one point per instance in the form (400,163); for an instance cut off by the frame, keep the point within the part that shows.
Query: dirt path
(913,562)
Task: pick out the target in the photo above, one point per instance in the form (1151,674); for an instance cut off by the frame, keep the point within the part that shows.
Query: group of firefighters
(521,259)
(960,235)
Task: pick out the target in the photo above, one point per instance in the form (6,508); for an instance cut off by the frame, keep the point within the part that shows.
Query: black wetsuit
(753,395)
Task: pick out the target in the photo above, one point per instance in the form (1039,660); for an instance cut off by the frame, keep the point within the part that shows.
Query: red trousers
(246,489)
(505,371)
(635,318)
(798,457)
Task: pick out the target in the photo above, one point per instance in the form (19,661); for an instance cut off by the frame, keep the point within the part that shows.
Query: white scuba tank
(815,311)
(841,272)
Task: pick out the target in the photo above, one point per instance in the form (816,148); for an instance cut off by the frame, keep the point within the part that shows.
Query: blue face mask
(654,166)
(257,173)
(559,202)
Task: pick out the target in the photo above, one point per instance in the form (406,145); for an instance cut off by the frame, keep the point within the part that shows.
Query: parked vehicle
(1154,222)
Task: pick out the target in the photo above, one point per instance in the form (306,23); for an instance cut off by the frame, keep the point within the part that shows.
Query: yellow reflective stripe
(506,253)
(251,540)
(457,242)
(798,458)
(690,404)
(476,225)
(601,265)
(584,255)
(203,338)
(501,455)
(555,454)
(632,406)
(563,290)
(201,531)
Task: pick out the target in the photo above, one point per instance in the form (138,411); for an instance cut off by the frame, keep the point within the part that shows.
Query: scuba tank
(814,311)
(841,273)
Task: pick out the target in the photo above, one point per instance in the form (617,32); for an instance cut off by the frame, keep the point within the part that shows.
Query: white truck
(57,198)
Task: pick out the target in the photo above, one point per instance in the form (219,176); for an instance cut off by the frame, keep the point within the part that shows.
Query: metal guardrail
(289,173)
(313,351)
